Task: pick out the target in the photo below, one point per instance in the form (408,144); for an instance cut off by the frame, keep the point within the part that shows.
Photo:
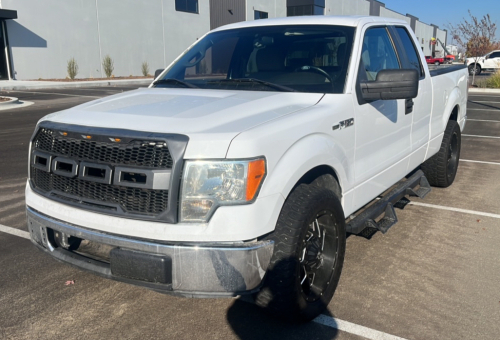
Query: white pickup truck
(488,62)
(240,170)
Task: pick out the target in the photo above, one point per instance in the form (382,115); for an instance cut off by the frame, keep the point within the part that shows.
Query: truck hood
(210,118)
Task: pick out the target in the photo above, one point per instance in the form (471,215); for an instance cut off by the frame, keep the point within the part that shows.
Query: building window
(293,11)
(190,6)
(260,15)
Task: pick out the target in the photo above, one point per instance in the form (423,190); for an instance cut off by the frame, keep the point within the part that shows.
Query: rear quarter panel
(449,90)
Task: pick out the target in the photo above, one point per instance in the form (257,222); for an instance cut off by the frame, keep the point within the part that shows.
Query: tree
(476,36)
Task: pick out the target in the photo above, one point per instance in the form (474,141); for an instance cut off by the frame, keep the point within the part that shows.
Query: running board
(385,205)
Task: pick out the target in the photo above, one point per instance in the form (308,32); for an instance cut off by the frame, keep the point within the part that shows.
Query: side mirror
(391,84)
(158,72)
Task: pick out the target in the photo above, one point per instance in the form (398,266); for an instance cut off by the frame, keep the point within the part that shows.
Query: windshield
(305,58)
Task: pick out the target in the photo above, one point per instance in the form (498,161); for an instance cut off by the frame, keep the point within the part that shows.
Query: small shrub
(494,81)
(72,68)
(145,69)
(108,65)
(481,83)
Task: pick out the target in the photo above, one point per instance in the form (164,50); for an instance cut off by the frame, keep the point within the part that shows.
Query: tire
(437,63)
(474,69)
(305,268)
(441,168)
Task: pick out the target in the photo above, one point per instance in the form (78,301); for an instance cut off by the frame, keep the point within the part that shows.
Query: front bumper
(214,269)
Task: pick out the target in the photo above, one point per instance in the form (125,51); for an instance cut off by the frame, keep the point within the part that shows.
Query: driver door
(383,130)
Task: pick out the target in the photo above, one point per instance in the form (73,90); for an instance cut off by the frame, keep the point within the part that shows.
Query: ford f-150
(243,166)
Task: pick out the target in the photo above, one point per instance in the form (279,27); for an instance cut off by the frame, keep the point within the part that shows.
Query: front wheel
(309,247)
(441,168)
(474,69)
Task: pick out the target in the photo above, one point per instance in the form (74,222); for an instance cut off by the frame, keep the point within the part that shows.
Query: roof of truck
(341,20)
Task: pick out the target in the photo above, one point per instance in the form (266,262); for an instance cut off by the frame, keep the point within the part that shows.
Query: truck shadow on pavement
(250,321)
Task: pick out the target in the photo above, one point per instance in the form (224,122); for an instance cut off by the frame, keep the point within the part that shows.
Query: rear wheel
(308,255)
(441,168)
(437,63)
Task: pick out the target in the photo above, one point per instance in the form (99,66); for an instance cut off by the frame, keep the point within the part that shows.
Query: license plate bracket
(141,266)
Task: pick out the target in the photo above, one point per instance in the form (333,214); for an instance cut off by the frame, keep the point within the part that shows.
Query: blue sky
(441,12)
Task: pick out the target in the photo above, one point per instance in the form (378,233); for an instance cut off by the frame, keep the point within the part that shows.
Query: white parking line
(352,328)
(481,136)
(480,101)
(14,231)
(493,110)
(465,211)
(483,120)
(483,162)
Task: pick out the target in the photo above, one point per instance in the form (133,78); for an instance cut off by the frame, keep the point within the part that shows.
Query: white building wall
(130,35)
(183,29)
(441,35)
(347,7)
(48,33)
(384,12)
(274,8)
(424,34)
(42,40)
(453,49)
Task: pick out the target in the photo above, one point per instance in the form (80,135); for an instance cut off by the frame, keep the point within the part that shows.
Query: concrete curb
(13,100)
(476,90)
(38,85)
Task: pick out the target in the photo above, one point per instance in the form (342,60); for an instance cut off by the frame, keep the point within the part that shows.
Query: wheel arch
(331,178)
(452,108)
(454,113)
(309,158)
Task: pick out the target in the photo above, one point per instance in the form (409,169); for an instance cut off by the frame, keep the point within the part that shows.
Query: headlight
(206,185)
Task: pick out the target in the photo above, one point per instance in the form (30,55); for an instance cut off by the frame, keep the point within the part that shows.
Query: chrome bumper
(224,269)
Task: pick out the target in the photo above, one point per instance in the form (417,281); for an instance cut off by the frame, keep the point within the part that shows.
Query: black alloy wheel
(319,256)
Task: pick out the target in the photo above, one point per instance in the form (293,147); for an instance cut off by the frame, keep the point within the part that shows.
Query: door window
(378,52)
(411,52)
(494,55)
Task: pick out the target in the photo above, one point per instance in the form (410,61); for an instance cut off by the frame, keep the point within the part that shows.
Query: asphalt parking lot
(434,275)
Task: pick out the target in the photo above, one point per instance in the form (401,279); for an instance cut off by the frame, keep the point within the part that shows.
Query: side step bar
(385,205)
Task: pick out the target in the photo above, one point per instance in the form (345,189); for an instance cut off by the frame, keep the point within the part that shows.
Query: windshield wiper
(175,81)
(257,81)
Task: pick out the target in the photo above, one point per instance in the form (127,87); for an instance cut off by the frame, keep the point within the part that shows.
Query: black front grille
(142,153)
(131,200)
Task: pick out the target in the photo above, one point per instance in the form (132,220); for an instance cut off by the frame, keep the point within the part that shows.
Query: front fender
(305,154)
(299,142)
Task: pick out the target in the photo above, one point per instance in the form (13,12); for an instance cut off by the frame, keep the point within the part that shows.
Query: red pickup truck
(435,61)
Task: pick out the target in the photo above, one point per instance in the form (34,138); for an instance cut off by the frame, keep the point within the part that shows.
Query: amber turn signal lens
(256,172)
